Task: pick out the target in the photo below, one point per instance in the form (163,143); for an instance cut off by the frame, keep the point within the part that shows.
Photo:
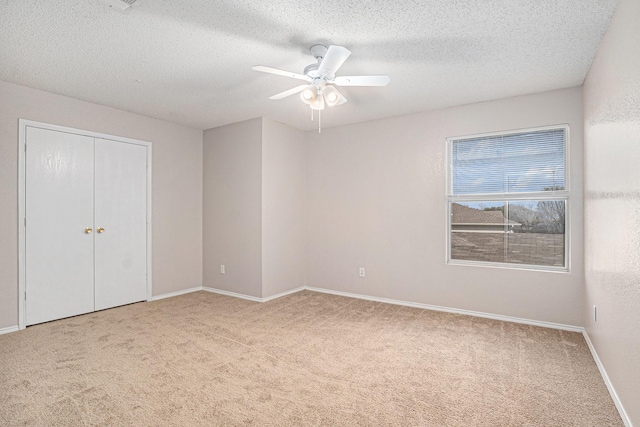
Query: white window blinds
(512,163)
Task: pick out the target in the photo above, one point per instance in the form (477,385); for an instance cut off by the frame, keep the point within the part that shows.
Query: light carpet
(307,359)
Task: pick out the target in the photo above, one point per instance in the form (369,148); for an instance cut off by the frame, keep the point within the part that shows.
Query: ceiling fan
(321,78)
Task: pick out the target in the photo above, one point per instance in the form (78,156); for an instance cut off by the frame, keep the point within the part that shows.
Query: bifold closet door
(59,225)
(121,223)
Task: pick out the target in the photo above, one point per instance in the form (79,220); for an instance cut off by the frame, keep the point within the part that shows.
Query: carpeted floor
(305,359)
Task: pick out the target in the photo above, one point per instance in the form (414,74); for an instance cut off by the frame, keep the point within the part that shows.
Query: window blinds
(514,163)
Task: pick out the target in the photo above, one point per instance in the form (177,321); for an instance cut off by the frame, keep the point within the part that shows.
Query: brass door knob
(88,230)
(100,230)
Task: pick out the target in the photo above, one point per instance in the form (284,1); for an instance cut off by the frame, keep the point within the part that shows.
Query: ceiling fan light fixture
(318,103)
(309,95)
(332,96)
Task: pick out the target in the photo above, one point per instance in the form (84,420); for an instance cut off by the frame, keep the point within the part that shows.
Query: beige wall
(232,207)
(254,208)
(612,204)
(376,199)
(283,192)
(177,185)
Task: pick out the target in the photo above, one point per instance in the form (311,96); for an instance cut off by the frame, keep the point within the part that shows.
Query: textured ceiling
(189,61)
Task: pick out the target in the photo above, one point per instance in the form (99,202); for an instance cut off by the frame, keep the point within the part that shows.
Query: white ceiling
(193,58)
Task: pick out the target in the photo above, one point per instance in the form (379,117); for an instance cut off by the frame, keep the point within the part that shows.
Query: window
(507,199)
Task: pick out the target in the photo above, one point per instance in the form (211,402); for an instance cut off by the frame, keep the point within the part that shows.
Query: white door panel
(121,210)
(58,207)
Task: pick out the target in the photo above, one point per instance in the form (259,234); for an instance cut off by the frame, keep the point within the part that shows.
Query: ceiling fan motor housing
(318,51)
(311,70)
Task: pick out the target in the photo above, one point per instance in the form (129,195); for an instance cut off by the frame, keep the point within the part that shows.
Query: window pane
(529,232)
(515,163)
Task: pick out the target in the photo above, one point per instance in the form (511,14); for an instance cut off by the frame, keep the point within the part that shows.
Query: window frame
(508,197)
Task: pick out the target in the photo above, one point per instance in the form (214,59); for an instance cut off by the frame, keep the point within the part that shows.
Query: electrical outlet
(361,271)
(595,313)
(222,269)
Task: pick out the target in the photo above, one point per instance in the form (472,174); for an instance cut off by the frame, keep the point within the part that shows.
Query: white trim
(453,310)
(282,294)
(483,231)
(22,134)
(232,294)
(554,195)
(149,224)
(509,266)
(612,391)
(499,197)
(250,297)
(542,324)
(175,294)
(9,329)
(501,224)
(22,236)
(509,132)
(500,317)
(49,126)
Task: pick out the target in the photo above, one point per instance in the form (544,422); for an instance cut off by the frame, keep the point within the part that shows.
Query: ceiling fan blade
(362,80)
(288,92)
(270,70)
(333,59)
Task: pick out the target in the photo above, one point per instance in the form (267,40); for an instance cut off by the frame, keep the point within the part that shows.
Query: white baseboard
(250,297)
(9,329)
(614,396)
(453,310)
(551,325)
(282,294)
(376,299)
(176,293)
(232,294)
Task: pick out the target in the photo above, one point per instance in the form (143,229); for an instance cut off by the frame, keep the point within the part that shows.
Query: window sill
(509,266)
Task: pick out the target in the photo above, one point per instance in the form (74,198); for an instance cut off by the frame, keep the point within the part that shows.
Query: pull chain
(319,119)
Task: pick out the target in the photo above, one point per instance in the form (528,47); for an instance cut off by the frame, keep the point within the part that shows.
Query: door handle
(88,230)
(100,230)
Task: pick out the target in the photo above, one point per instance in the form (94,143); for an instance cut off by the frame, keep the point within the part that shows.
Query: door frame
(22,268)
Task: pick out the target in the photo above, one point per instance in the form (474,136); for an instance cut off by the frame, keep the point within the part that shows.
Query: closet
(85,223)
